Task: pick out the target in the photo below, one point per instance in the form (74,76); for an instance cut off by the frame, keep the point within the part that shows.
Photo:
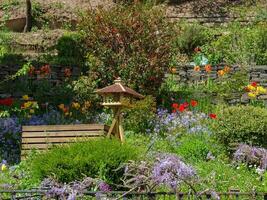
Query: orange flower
(196,68)
(226,69)
(208,68)
(193,103)
(173,70)
(221,72)
(45,70)
(67,72)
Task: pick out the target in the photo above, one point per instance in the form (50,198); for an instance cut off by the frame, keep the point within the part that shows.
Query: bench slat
(54,140)
(63,127)
(62,134)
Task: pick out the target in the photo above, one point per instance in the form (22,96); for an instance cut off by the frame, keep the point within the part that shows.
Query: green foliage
(192,36)
(245,124)
(138,117)
(128,41)
(70,50)
(222,176)
(96,158)
(195,147)
(238,45)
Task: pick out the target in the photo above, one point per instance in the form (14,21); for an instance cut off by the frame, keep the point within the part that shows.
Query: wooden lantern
(113,97)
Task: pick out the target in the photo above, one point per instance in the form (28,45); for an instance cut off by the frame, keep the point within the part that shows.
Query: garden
(199,129)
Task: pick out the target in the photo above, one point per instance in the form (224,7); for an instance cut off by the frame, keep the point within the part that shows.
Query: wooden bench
(45,136)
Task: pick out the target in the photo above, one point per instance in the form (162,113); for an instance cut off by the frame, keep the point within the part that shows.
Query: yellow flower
(261,90)
(25,97)
(32,111)
(3,167)
(27,104)
(221,72)
(61,106)
(76,105)
(252,95)
(251,88)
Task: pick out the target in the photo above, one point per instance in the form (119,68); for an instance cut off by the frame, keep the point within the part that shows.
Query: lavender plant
(171,171)
(72,190)
(251,155)
(166,170)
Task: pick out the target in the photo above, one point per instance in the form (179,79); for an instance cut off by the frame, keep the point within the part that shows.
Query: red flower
(6,101)
(254,84)
(181,108)
(175,106)
(174,111)
(193,103)
(213,116)
(45,70)
(185,104)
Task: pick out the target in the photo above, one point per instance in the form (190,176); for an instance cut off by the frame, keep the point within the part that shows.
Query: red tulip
(213,116)
(193,103)
(181,108)
(175,105)
(254,84)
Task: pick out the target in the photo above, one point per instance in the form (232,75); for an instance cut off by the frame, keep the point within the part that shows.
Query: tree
(28,24)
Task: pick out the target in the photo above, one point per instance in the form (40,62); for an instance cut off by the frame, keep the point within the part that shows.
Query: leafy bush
(245,124)
(196,147)
(192,36)
(128,41)
(97,159)
(70,50)
(138,118)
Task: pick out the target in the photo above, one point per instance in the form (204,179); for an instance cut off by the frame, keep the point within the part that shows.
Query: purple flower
(251,155)
(171,171)
(104,187)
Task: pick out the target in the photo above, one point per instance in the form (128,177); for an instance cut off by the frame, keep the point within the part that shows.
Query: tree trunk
(28,25)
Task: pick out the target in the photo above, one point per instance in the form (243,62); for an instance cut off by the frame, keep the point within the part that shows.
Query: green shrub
(128,41)
(138,118)
(192,36)
(195,147)
(96,158)
(246,124)
(70,50)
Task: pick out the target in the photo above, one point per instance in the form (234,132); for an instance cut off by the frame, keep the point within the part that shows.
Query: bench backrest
(45,136)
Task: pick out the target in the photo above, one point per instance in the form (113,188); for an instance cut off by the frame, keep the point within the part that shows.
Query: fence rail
(116,195)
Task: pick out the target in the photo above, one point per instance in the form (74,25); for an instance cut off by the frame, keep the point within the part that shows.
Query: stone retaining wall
(186,74)
(182,74)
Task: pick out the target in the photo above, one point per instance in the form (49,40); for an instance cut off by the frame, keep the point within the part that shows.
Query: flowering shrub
(169,170)
(176,123)
(164,170)
(72,190)
(251,155)
(10,130)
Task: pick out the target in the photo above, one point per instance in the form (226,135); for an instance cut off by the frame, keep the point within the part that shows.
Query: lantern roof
(118,87)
